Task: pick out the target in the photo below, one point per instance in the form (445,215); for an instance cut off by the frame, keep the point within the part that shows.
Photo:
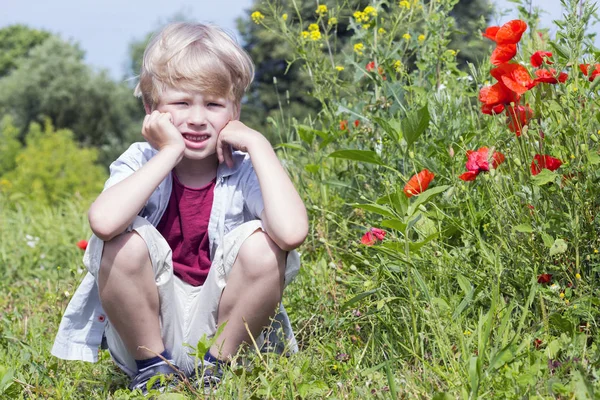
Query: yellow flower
(332,21)
(315,35)
(381,31)
(321,10)
(370,11)
(574,306)
(339,68)
(561,295)
(313,27)
(467,333)
(284,17)
(596,251)
(572,156)
(358,48)
(366,26)
(398,66)
(406,36)
(257,17)
(577,276)
(421,38)
(404,4)
(360,16)
(451,52)
(567,301)
(305,34)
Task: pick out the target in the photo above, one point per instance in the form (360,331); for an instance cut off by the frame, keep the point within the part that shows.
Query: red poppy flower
(479,161)
(490,32)
(503,53)
(511,32)
(549,76)
(538,58)
(379,233)
(469,176)
(518,117)
(370,66)
(343,125)
(544,161)
(497,94)
(82,244)
(544,278)
(489,109)
(514,76)
(585,69)
(356,123)
(537,343)
(418,183)
(372,236)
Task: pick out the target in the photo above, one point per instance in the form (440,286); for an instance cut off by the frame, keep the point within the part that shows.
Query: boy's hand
(237,136)
(159,131)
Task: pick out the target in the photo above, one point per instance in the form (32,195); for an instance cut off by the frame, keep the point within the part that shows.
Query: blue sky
(104,28)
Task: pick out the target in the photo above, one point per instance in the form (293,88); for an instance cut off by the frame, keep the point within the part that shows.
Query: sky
(104,28)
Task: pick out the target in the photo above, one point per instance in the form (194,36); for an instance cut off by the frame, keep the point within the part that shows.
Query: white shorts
(187,312)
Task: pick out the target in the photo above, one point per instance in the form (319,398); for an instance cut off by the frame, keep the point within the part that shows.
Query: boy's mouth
(195,138)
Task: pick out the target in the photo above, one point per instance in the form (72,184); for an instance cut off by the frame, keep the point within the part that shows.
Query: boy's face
(200,118)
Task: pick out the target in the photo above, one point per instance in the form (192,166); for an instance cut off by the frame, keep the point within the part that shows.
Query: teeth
(194,138)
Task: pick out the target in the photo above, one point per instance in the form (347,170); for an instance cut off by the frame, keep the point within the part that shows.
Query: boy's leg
(253,292)
(129,294)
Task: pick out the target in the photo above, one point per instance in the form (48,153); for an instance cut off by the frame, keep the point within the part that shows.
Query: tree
(53,81)
(15,43)
(9,144)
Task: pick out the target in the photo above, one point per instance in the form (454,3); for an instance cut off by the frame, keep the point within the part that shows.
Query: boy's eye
(178,103)
(215,104)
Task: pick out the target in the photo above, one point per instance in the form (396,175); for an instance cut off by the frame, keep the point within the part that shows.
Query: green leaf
(397,200)
(312,168)
(367,156)
(594,84)
(392,133)
(548,240)
(524,228)
(424,197)
(415,124)
(375,208)
(396,224)
(464,284)
(593,157)
(560,50)
(581,386)
(293,146)
(558,247)
(306,133)
(357,298)
(544,177)
(504,356)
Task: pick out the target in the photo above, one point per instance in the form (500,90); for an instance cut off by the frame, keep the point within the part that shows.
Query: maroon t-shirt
(185,226)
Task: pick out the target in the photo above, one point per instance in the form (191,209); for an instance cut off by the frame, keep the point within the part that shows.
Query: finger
(219,149)
(228,155)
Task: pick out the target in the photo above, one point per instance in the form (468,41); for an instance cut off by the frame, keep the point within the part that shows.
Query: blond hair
(194,57)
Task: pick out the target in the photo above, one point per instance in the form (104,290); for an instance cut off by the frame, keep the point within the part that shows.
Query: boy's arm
(116,207)
(284,216)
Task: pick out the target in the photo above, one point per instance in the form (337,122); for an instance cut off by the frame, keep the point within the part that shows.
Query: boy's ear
(147,108)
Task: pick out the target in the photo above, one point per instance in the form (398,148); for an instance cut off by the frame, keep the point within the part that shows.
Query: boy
(194,228)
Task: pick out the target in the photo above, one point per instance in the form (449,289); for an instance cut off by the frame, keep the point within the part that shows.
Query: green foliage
(15,43)
(52,167)
(9,145)
(52,81)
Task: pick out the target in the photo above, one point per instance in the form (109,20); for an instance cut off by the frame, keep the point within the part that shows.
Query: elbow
(295,237)
(101,225)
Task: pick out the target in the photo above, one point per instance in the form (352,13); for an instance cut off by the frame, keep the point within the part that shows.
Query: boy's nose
(197,115)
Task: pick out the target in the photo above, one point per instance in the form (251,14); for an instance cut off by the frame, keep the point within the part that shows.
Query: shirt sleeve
(251,190)
(124,166)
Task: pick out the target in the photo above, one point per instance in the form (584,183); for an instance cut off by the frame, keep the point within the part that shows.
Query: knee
(127,253)
(260,257)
